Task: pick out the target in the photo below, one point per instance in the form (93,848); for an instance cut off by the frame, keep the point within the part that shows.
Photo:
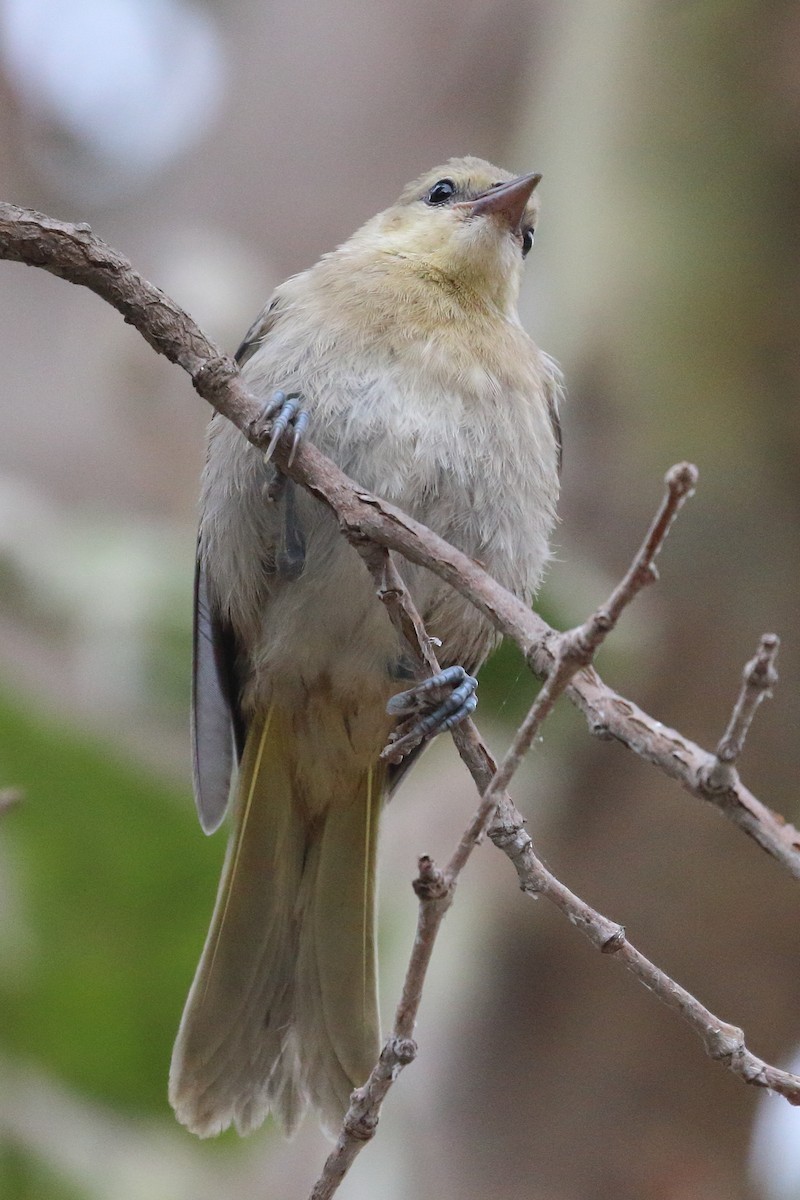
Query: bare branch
(722,1041)
(613,717)
(573,650)
(758,679)
(361,1119)
(402,612)
(681,481)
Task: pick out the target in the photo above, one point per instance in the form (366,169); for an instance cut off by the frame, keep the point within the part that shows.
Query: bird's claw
(430,708)
(280,412)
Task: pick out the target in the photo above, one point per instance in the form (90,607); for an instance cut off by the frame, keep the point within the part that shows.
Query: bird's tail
(283,1008)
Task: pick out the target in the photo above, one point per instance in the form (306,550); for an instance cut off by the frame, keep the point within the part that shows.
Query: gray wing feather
(218,728)
(258,331)
(217,725)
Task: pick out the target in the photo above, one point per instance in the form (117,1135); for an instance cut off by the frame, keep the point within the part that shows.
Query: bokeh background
(222,146)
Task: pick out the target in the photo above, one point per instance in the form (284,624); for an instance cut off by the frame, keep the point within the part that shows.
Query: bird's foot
(430,708)
(280,413)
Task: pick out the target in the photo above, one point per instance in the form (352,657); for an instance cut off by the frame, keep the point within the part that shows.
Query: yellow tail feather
(283,1009)
(229,877)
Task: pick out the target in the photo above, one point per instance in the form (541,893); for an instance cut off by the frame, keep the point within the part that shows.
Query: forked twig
(758,679)
(722,1041)
(435,889)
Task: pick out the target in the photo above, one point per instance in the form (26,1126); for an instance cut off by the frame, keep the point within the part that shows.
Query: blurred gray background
(222,147)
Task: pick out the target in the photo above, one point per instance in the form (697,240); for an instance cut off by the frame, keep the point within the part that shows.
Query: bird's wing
(218,725)
(259,330)
(217,722)
(396,772)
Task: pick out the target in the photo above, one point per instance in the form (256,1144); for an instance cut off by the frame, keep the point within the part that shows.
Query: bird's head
(466,224)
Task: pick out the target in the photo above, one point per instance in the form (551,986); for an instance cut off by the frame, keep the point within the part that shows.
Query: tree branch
(758,679)
(722,1041)
(435,889)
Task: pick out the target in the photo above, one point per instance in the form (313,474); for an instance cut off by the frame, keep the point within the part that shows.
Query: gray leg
(428,710)
(290,556)
(283,412)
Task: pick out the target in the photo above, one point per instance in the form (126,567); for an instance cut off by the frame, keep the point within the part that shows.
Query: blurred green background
(222,147)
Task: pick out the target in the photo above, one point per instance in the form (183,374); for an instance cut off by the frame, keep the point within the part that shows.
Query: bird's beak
(507,202)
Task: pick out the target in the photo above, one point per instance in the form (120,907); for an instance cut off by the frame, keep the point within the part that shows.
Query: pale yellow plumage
(420,382)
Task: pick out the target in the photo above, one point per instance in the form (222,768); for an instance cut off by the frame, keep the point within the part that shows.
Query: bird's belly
(481,484)
(328,625)
(486,490)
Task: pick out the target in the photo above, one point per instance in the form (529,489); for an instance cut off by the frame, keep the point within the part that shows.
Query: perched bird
(401,356)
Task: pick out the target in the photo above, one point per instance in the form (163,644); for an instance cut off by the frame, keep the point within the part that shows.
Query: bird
(401,356)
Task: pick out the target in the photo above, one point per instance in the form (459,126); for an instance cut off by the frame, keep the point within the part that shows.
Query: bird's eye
(441,192)
(527,242)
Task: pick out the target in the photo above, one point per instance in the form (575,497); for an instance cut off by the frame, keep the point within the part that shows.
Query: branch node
(430,884)
(513,839)
(601,729)
(760,671)
(615,942)
(717,776)
(725,1042)
(681,479)
(404,1050)
(589,635)
(361,1126)
(216,374)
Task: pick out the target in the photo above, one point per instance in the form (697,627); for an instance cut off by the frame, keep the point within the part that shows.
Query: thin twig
(400,1049)
(612,717)
(403,614)
(758,679)
(575,649)
(681,480)
(435,889)
(722,1041)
